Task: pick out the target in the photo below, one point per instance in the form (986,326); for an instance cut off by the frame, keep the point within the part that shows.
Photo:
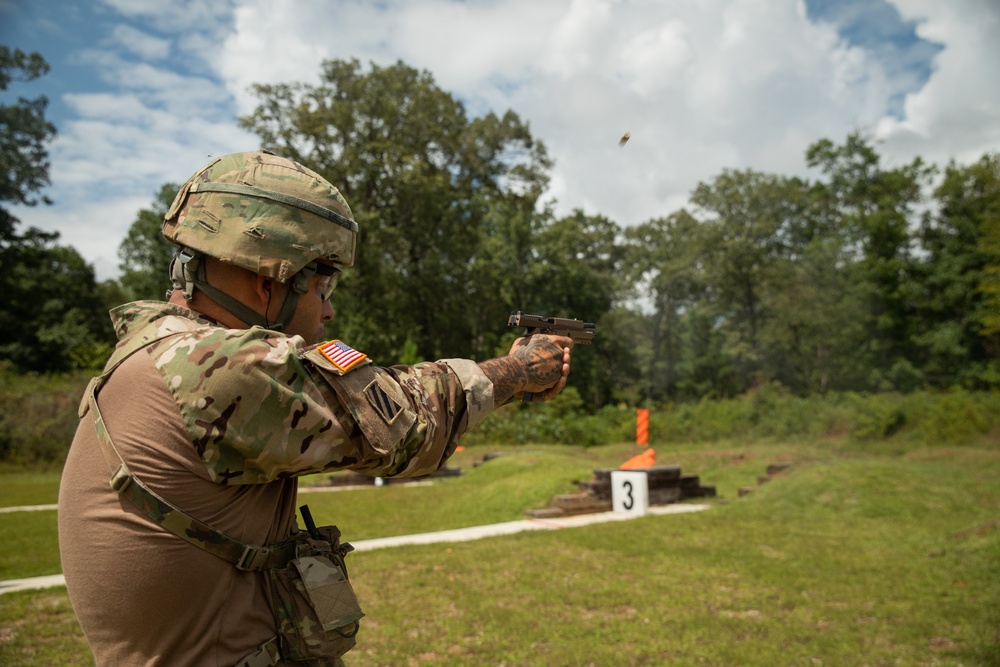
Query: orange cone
(645,460)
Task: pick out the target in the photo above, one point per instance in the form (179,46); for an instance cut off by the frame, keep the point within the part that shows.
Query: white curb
(27,508)
(457,535)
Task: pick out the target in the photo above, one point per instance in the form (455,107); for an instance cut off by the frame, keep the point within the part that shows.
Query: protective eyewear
(328,282)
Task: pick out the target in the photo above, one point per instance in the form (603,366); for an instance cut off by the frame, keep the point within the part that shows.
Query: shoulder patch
(341,355)
(387,408)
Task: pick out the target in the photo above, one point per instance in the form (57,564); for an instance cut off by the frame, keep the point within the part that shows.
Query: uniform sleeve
(260,406)
(410,417)
(478,389)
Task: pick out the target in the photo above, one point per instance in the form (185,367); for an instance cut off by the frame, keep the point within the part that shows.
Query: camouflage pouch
(317,614)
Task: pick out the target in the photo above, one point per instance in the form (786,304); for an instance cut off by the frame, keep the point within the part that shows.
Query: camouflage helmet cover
(262,212)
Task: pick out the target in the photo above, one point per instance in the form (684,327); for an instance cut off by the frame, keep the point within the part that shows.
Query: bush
(766,413)
(38,416)
(957,415)
(560,421)
(876,416)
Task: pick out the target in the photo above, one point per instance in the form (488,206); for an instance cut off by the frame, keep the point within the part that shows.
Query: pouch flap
(329,591)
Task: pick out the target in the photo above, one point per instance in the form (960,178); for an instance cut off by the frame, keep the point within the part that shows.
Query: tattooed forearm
(508,376)
(534,365)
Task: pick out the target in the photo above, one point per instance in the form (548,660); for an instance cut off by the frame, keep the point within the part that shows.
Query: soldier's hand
(546,362)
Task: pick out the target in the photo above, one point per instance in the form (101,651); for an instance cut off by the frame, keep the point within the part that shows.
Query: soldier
(217,400)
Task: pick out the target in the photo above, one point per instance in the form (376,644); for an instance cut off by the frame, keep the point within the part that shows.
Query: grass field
(857,555)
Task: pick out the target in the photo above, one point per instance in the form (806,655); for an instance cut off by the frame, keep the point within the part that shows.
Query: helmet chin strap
(187,271)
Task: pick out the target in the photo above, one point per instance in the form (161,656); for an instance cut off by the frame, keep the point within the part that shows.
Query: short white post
(379,481)
(629,492)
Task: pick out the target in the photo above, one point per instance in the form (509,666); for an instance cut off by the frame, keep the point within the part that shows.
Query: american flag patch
(342,355)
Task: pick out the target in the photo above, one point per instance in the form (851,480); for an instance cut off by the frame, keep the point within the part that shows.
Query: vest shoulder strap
(158,509)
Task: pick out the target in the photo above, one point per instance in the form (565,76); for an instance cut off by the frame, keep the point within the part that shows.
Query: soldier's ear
(262,287)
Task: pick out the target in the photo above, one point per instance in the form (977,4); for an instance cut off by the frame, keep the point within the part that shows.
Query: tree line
(871,277)
(51,317)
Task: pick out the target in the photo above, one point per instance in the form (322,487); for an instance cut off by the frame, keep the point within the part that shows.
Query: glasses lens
(329,283)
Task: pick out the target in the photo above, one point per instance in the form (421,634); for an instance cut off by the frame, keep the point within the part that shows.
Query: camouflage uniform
(259,405)
(243,412)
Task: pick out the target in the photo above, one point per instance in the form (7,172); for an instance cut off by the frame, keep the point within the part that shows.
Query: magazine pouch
(316,612)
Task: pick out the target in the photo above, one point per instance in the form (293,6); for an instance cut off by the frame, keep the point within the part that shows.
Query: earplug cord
(267,310)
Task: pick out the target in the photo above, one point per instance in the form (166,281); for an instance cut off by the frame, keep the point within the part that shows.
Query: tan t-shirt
(144,596)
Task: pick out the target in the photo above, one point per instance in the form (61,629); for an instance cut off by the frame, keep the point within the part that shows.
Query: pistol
(581,332)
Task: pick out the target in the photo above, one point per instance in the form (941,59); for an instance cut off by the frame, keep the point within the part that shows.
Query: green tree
(759,287)
(877,208)
(752,217)
(664,258)
(707,368)
(24,135)
(815,323)
(422,179)
(956,271)
(575,273)
(501,270)
(623,350)
(54,314)
(989,286)
(145,254)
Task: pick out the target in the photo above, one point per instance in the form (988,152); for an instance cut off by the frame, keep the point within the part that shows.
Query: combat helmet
(264,213)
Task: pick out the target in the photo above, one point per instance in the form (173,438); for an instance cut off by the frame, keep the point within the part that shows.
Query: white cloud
(123,142)
(140,43)
(449,39)
(158,85)
(697,96)
(957,114)
(701,86)
(108,166)
(137,155)
(146,122)
(649,60)
(176,16)
(570,44)
(94,228)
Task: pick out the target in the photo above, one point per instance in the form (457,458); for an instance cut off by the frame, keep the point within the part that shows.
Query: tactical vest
(316,612)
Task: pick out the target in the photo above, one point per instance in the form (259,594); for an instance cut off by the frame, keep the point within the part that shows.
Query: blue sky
(143,91)
(80,41)
(877,27)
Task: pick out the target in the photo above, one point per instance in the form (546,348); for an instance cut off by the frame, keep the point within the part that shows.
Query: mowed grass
(18,489)
(29,545)
(856,555)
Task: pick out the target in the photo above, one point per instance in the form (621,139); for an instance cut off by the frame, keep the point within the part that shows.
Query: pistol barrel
(581,332)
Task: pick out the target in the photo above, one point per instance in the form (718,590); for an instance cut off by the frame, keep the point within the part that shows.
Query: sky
(142,92)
